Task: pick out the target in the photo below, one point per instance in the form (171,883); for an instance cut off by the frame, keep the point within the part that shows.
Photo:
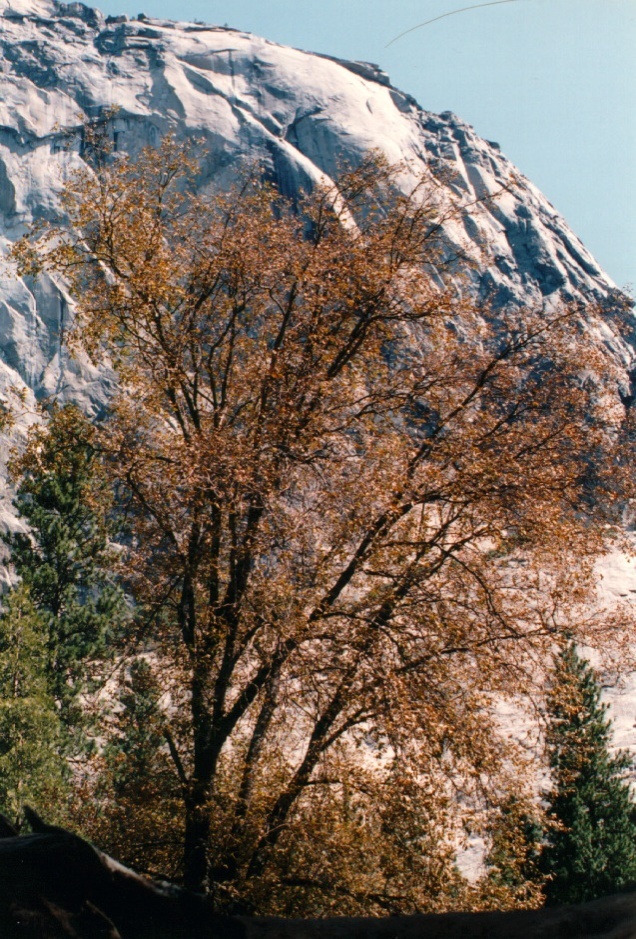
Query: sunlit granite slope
(302,114)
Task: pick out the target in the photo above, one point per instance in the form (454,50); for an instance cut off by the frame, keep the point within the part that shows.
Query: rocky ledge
(54,884)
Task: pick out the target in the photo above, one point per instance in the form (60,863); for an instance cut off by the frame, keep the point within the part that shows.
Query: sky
(552,81)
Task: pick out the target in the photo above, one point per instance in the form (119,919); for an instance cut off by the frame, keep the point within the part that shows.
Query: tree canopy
(356,505)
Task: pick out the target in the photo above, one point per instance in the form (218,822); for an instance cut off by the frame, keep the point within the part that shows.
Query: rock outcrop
(55,885)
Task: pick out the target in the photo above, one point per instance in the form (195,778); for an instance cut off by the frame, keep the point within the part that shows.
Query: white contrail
(475,6)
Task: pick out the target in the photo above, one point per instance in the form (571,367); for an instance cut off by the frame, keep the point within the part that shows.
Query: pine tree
(591,850)
(135,789)
(31,768)
(65,558)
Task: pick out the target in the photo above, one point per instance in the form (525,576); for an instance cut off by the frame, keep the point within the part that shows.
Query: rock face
(302,114)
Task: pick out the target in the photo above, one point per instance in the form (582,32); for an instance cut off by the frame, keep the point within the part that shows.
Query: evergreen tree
(65,558)
(31,769)
(591,850)
(136,791)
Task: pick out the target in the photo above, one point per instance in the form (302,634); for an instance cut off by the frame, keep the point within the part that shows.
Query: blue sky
(552,81)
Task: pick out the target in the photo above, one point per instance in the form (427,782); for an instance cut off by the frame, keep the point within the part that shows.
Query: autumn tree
(357,504)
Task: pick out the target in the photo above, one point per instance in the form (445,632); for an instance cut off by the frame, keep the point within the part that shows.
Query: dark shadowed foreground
(53,885)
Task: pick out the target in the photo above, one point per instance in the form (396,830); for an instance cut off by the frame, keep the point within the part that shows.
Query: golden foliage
(358,504)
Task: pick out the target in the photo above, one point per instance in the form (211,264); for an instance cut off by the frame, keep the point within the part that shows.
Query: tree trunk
(196,838)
